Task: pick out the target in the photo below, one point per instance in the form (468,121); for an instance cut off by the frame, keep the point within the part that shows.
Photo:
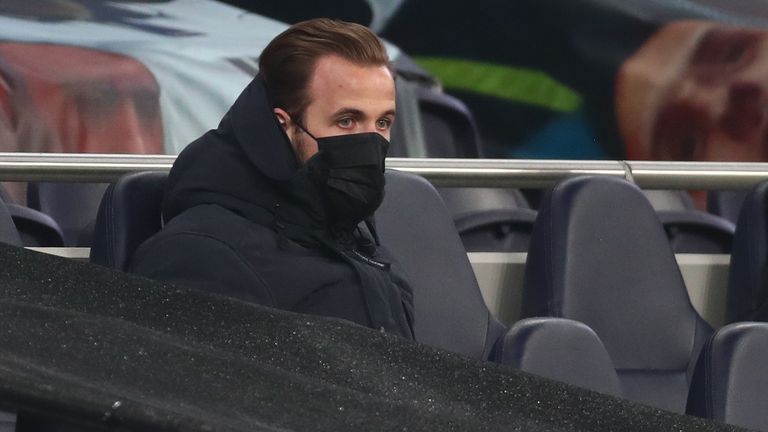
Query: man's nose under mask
(349,171)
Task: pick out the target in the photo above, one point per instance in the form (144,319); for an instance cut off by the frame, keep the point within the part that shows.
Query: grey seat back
(72,205)
(449,127)
(726,203)
(688,229)
(35,228)
(730,380)
(747,294)
(435,124)
(9,234)
(562,350)
(490,219)
(599,255)
(415,226)
(130,212)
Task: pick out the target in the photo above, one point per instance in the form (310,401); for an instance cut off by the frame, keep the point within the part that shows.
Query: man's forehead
(333,62)
(336,81)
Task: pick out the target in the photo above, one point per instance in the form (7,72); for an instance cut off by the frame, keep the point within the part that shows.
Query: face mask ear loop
(303,129)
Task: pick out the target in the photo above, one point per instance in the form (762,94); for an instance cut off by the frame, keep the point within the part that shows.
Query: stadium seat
(562,350)
(35,228)
(490,219)
(688,229)
(8,232)
(72,205)
(730,379)
(599,255)
(129,213)
(726,203)
(415,226)
(443,128)
(747,294)
(449,128)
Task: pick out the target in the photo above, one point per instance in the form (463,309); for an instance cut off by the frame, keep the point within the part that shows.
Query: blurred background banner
(121,77)
(566,79)
(650,79)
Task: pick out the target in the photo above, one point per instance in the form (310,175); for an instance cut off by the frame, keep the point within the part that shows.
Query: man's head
(328,78)
(696,90)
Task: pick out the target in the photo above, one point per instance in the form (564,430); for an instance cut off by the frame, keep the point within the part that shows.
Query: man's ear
(282,118)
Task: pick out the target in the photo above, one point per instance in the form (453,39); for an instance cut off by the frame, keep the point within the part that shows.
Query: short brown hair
(287,63)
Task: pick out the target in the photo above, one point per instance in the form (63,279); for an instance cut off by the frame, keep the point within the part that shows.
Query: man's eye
(345,122)
(383,123)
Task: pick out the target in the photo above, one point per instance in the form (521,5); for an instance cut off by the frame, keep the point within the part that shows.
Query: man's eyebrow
(348,111)
(358,113)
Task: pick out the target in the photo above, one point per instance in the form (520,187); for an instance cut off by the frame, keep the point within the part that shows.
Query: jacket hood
(252,125)
(246,165)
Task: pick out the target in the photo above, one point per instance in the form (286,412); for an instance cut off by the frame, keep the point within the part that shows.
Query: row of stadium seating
(501,220)
(602,291)
(488,219)
(606,306)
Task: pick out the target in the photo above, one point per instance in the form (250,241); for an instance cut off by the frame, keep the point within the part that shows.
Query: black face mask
(349,171)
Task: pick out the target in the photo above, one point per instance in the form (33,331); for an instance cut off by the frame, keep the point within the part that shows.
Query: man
(269,206)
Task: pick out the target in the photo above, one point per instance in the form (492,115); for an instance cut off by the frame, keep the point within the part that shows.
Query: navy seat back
(9,234)
(490,219)
(416,227)
(72,205)
(726,203)
(730,379)
(599,255)
(695,231)
(130,212)
(562,350)
(35,228)
(441,126)
(449,127)
(688,229)
(747,294)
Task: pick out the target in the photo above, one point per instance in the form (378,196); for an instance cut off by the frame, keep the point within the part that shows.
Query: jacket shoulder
(194,250)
